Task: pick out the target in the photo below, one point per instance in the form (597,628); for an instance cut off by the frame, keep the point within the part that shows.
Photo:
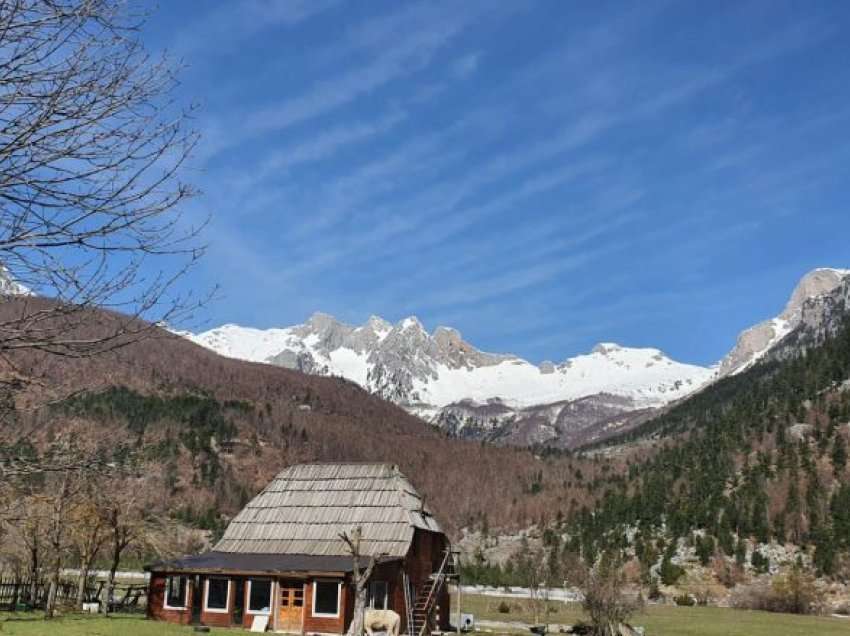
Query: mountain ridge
(502,397)
(323,345)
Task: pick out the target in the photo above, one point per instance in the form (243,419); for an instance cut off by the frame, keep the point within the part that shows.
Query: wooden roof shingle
(306,507)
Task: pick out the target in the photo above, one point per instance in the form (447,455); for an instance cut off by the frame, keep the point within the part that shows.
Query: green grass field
(672,621)
(81,625)
(658,620)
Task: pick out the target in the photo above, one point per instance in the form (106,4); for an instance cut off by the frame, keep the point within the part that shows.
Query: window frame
(215,610)
(185,605)
(248,588)
(315,586)
(386,595)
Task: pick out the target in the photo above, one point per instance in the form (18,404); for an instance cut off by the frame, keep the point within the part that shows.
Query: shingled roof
(306,507)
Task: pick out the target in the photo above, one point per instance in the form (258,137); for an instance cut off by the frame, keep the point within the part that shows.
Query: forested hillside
(761,455)
(213,431)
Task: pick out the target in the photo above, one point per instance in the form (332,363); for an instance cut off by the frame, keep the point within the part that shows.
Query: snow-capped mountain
(501,397)
(439,376)
(422,371)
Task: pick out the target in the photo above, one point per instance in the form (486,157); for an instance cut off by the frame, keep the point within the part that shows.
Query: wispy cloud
(316,148)
(427,29)
(466,65)
(234,21)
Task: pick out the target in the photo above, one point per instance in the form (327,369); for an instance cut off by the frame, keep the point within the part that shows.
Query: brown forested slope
(279,417)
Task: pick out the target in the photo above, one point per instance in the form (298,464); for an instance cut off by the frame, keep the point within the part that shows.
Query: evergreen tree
(839,455)
(824,557)
(741,553)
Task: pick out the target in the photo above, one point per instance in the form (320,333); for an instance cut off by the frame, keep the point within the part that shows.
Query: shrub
(728,574)
(504,608)
(655,592)
(701,587)
(794,592)
(755,596)
(684,600)
(797,592)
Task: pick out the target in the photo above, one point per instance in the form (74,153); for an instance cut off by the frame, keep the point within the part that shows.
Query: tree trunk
(56,528)
(113,568)
(91,546)
(359,581)
(53,591)
(13,603)
(33,594)
(356,627)
(81,584)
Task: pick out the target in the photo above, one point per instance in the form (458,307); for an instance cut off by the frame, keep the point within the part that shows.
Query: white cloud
(233,21)
(426,31)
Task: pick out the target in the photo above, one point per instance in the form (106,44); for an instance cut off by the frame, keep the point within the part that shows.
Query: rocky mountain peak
(816,283)
(411,323)
(378,324)
(546,367)
(753,343)
(321,322)
(606,347)
(449,341)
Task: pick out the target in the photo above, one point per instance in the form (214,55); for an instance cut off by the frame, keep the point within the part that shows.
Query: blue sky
(540,175)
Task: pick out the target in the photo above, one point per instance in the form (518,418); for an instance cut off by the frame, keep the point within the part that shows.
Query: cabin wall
(156,602)
(218,619)
(325,624)
(392,573)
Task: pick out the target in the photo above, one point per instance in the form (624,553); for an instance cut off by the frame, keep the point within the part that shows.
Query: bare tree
(124,521)
(606,601)
(25,529)
(87,528)
(92,149)
(62,498)
(359,579)
(538,571)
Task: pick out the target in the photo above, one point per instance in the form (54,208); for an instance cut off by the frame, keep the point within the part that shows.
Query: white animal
(382,621)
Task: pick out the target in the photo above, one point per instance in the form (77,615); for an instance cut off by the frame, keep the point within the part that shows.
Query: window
(378,595)
(218,593)
(175,592)
(259,596)
(326,598)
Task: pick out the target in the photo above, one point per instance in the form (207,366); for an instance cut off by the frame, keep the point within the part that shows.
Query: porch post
(459,598)
(274,605)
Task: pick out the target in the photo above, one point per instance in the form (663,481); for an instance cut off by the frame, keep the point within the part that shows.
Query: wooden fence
(20,593)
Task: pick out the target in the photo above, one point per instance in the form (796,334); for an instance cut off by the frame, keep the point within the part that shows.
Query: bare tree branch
(92,146)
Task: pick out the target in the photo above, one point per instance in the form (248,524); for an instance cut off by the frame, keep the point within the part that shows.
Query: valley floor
(658,621)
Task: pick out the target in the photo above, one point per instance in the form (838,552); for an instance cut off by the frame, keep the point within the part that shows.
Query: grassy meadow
(658,621)
(665,620)
(32,624)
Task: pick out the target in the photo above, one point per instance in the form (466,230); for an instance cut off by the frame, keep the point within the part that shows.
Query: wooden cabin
(282,557)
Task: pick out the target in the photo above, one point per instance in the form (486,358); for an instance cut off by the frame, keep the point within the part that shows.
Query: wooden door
(291,616)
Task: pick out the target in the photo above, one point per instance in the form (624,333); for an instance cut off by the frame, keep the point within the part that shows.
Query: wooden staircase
(421,616)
